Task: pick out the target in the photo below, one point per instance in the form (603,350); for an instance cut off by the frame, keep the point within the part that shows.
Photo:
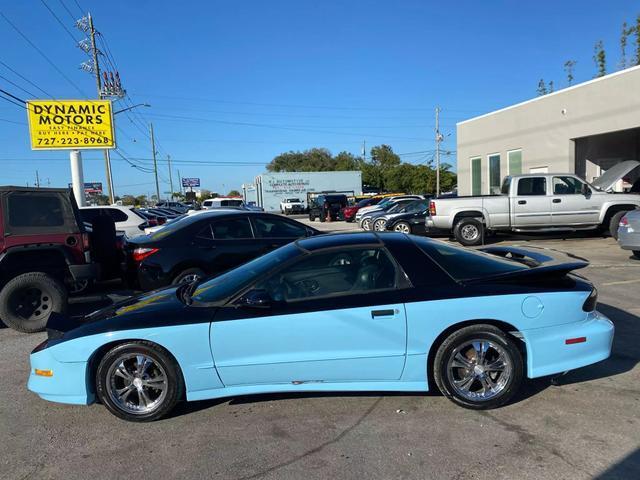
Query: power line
(75,40)
(24,78)
(79,7)
(71,15)
(33,45)
(17,86)
(12,121)
(15,99)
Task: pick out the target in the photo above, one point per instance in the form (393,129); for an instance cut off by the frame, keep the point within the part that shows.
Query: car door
(225,242)
(531,206)
(273,232)
(571,203)
(333,317)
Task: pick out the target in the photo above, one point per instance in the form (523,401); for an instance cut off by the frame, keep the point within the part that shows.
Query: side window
(340,272)
(231,229)
(117,215)
(35,210)
(267,227)
(567,186)
(532,186)
(88,214)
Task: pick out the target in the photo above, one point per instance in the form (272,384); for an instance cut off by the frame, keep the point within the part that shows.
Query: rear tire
(188,275)
(469,232)
(614,223)
(366,224)
(478,367)
(26,302)
(139,381)
(402,227)
(636,253)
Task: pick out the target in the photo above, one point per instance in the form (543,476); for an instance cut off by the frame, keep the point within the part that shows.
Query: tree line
(383,171)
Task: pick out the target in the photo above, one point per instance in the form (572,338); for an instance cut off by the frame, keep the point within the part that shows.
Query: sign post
(71,125)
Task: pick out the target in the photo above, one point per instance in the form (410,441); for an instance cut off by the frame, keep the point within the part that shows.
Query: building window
(476,176)
(514,162)
(494,174)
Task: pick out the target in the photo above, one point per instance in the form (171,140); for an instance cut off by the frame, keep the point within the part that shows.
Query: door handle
(522,202)
(382,313)
(557,200)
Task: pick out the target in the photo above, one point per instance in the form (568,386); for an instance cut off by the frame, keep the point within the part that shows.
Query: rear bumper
(629,239)
(548,353)
(68,384)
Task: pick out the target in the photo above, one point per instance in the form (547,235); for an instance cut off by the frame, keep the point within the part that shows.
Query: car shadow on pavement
(625,354)
(627,467)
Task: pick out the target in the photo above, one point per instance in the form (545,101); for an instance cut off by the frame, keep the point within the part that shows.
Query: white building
(583,129)
(269,189)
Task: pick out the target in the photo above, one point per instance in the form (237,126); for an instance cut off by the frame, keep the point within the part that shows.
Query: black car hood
(160,308)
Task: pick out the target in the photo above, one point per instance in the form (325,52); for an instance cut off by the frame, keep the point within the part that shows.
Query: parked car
(127,219)
(383,203)
(221,202)
(44,253)
(352,312)
(205,244)
(326,204)
(536,203)
(349,212)
(290,206)
(367,220)
(629,232)
(179,207)
(409,219)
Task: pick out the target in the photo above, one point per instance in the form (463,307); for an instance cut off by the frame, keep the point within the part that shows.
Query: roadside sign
(70,124)
(191,182)
(91,188)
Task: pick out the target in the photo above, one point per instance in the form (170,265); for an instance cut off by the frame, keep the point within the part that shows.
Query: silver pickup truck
(536,202)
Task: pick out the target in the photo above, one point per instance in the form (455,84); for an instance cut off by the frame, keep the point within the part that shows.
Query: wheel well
(471,213)
(94,360)
(507,328)
(50,261)
(613,209)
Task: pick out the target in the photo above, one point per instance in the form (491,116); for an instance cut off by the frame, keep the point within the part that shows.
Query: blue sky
(236,83)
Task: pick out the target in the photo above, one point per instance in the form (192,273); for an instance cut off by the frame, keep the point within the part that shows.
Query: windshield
(225,285)
(292,200)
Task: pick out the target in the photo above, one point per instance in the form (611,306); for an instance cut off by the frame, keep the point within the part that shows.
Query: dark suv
(44,251)
(326,204)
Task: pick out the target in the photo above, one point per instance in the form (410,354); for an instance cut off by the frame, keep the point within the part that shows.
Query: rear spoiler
(541,262)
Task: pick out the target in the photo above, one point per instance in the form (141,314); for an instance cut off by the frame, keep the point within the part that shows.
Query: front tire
(478,367)
(139,381)
(26,302)
(469,232)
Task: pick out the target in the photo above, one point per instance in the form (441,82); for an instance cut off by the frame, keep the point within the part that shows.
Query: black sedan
(205,244)
(411,221)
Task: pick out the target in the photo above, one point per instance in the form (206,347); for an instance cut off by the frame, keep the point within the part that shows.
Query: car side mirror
(258,298)
(586,191)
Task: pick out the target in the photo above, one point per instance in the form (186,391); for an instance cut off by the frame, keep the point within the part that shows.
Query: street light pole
(155,164)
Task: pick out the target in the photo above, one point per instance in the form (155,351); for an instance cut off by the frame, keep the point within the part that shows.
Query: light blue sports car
(349,312)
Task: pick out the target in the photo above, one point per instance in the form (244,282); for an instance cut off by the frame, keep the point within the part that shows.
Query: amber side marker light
(44,373)
(571,341)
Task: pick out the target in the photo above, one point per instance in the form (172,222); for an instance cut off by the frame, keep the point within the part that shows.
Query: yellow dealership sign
(70,124)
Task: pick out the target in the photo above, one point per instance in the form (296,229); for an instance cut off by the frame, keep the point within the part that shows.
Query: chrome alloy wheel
(192,277)
(136,383)
(402,228)
(479,369)
(380,225)
(366,224)
(470,232)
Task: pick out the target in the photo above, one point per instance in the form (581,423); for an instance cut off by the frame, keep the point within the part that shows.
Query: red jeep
(44,252)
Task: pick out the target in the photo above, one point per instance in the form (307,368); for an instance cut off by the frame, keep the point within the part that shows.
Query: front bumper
(628,238)
(548,353)
(68,384)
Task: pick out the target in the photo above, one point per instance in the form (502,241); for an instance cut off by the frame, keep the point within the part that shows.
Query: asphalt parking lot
(586,424)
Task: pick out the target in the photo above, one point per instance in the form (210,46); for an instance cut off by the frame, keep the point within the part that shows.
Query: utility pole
(96,71)
(37,180)
(180,183)
(438,140)
(155,164)
(364,150)
(170,176)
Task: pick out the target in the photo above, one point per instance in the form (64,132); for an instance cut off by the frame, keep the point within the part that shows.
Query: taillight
(591,302)
(162,220)
(432,208)
(85,241)
(624,222)
(140,254)
(153,222)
